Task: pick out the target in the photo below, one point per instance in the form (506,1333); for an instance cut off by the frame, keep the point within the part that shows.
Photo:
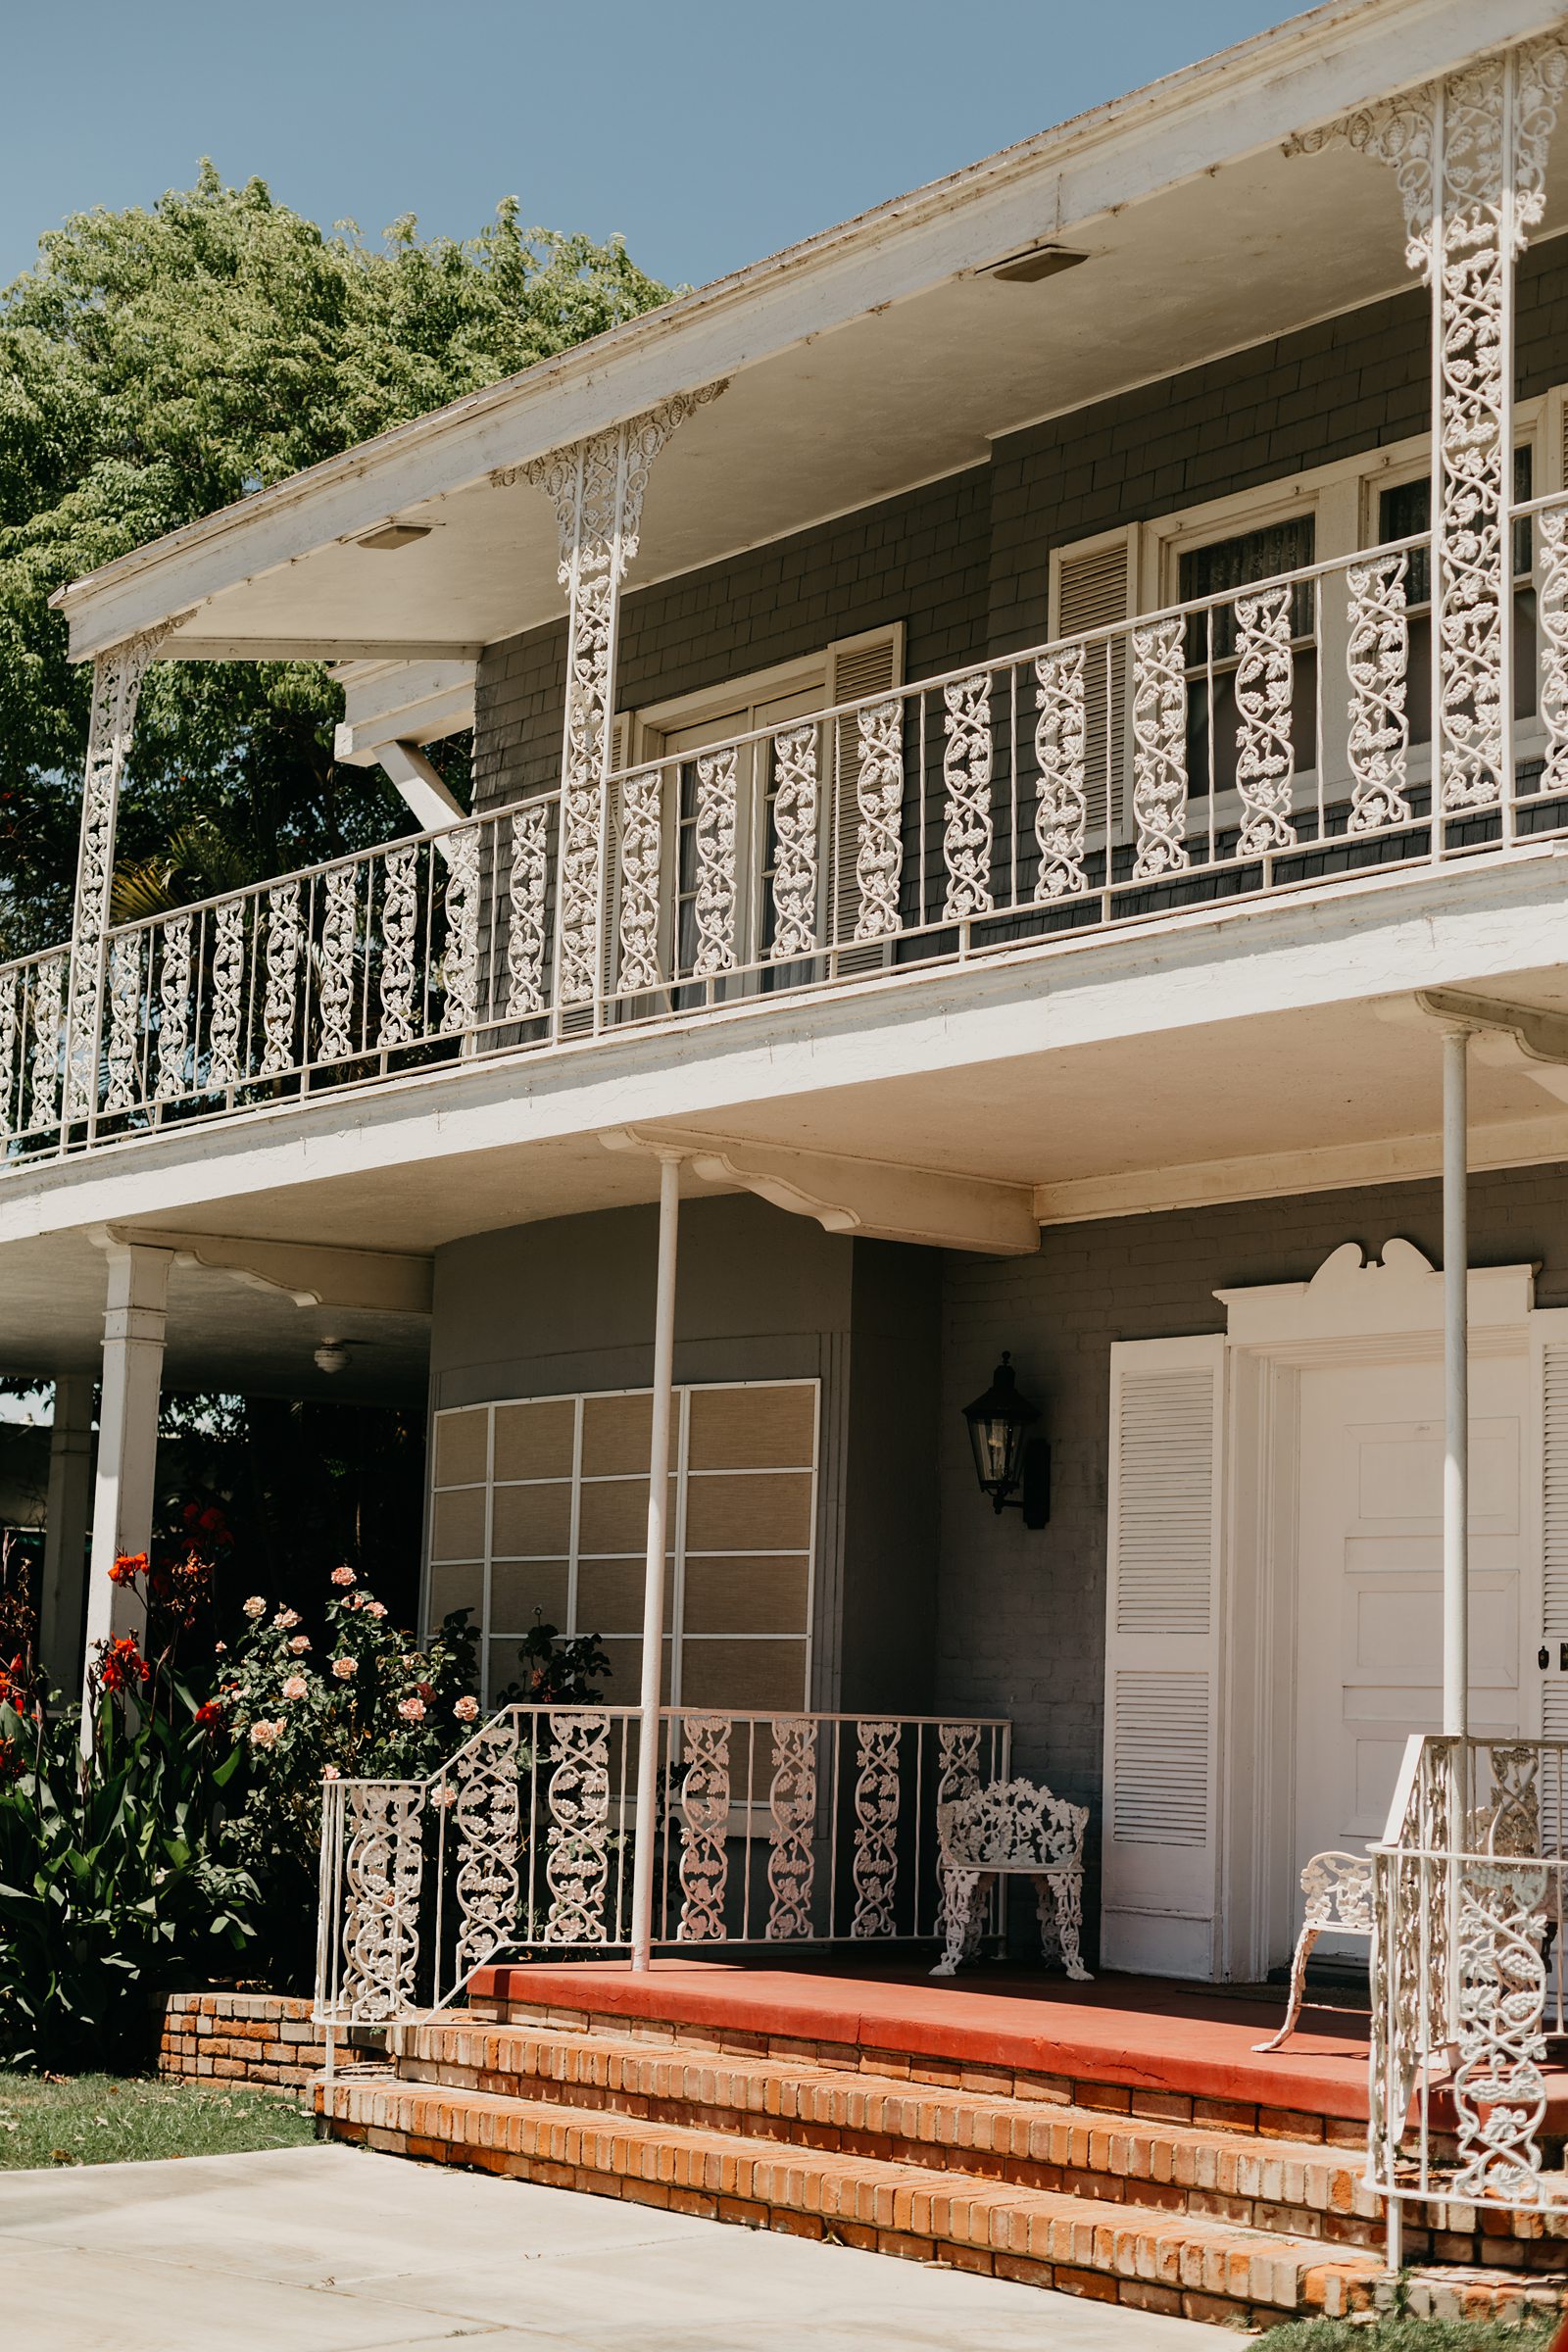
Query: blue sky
(708,132)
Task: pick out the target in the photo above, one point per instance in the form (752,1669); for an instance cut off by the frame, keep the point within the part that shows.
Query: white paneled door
(1369,1631)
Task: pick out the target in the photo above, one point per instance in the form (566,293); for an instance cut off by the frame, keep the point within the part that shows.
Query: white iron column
(117,678)
(1469,154)
(128,1431)
(597,487)
(656,1569)
(64,1541)
(1455,1386)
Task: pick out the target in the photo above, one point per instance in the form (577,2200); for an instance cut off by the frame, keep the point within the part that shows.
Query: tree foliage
(157,364)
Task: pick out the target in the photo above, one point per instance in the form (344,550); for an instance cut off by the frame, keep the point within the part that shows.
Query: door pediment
(1389,1306)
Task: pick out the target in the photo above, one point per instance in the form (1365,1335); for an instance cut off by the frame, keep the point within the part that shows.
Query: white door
(1370,1579)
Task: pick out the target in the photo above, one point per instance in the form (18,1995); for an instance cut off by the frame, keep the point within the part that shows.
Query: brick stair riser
(1301,2191)
(1177,2264)
(1063,2090)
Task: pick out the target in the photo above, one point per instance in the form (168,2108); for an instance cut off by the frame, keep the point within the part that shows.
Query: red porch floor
(1145,2035)
(1141,2033)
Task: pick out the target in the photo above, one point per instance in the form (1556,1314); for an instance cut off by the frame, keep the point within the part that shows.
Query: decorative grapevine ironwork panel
(461,964)
(714,833)
(124,1022)
(879,797)
(335,990)
(526,933)
(400,924)
(577,1847)
(1265,686)
(229,974)
(1500,2082)
(382,1871)
(957,1761)
(282,978)
(117,678)
(1061,806)
(875,1865)
(173,1009)
(48,1007)
(792,1809)
(597,488)
(795,827)
(966,776)
(1378,661)
(642,852)
(1159,749)
(10,1063)
(1553,530)
(486,1819)
(705,1817)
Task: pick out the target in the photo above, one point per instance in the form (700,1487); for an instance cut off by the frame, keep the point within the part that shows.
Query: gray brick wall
(1020,1617)
(963,561)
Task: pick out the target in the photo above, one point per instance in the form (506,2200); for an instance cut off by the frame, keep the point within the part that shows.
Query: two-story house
(1020,792)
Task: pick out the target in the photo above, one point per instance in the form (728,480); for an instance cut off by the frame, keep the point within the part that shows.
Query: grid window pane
(536,1441)
(457,1525)
(531,1521)
(519,1588)
(460,1446)
(747,1596)
(610,1595)
(751,1429)
(768,1512)
(616,1433)
(743,1673)
(457,1588)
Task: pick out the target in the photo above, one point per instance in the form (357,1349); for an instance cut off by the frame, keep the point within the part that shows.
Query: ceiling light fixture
(1036,261)
(395,534)
(333,1355)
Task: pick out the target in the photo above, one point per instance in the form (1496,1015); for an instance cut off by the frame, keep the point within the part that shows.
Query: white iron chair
(1012,1829)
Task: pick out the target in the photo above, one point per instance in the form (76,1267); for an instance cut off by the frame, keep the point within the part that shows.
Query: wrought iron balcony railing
(1268,737)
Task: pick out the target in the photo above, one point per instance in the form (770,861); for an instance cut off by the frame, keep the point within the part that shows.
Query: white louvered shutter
(1092,586)
(855,666)
(1162,1657)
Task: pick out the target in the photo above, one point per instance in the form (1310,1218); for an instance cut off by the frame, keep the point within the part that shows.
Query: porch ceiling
(1285,1101)
(869,361)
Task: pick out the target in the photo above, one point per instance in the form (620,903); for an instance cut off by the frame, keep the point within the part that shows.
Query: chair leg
(961,1893)
(1060,1901)
(1293,2009)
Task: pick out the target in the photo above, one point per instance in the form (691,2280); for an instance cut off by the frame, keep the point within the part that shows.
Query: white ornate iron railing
(774,1831)
(1468,1981)
(1271,737)
(34,1000)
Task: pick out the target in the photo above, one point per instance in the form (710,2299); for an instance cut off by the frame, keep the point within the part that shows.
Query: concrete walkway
(328,2249)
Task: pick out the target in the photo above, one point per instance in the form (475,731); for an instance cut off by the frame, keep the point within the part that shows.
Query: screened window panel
(610,1595)
(613,1515)
(536,1441)
(768,1512)
(461,1586)
(531,1522)
(520,1587)
(457,1530)
(751,1429)
(616,1433)
(746,1595)
(462,1441)
(727,1672)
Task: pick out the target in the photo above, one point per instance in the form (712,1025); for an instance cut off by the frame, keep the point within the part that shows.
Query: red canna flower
(209,1717)
(127,1567)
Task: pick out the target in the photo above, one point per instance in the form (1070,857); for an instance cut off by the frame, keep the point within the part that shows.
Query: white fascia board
(1253,96)
(1352,943)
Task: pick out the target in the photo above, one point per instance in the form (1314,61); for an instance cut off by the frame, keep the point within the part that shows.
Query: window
(539,1511)
(1233,564)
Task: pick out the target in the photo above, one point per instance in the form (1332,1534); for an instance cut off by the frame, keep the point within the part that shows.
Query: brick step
(1302,2188)
(1180,2263)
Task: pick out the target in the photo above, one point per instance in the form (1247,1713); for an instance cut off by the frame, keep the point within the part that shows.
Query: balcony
(1258,742)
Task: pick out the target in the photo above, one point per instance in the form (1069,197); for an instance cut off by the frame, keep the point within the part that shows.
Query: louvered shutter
(1092,586)
(1162,1649)
(855,666)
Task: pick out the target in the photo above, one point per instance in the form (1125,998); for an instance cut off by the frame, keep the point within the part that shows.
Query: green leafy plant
(112,1885)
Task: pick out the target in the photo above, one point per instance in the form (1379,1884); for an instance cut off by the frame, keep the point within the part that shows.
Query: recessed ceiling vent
(1036,261)
(395,534)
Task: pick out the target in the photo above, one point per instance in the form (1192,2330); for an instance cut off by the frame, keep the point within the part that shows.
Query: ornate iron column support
(1469,154)
(117,678)
(597,488)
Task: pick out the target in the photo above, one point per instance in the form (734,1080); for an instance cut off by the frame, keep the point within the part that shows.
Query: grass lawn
(116,2119)
(1409,2336)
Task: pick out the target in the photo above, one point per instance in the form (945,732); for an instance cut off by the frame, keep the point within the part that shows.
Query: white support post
(128,1431)
(1455,1387)
(64,1543)
(656,1569)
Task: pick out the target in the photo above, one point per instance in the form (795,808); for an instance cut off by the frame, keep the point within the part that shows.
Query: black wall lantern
(1012,1467)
